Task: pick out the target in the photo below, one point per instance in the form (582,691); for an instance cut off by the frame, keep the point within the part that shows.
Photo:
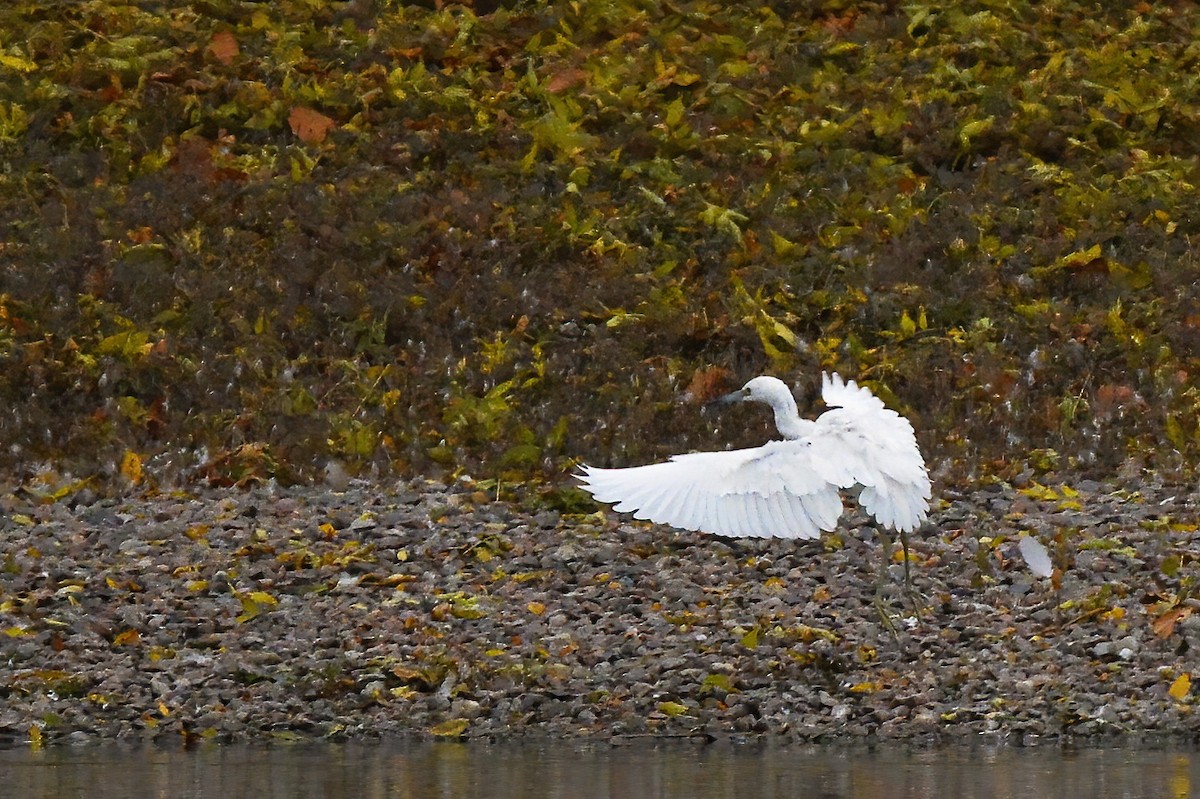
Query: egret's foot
(917,601)
(885,617)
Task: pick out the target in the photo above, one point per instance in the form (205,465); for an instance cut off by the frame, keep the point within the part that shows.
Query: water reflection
(592,771)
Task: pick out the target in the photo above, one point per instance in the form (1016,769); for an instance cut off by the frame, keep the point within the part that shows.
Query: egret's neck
(787,417)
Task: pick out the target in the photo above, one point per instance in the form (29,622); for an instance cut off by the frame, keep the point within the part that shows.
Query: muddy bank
(417,608)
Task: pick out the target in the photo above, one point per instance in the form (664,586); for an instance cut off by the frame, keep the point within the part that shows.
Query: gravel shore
(421,608)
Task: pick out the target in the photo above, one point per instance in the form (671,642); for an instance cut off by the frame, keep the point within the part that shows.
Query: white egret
(789,488)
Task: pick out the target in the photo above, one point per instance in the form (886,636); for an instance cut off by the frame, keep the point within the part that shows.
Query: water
(642,770)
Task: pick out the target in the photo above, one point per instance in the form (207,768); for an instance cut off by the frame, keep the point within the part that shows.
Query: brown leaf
(193,158)
(223,46)
(842,25)
(1111,398)
(1164,625)
(706,383)
(561,81)
(310,126)
(112,92)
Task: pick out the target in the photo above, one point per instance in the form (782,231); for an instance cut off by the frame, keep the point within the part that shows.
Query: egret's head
(760,389)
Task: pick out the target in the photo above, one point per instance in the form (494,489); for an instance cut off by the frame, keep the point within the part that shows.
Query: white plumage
(789,488)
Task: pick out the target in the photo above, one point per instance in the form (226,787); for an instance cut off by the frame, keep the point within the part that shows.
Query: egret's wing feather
(771,491)
(744,523)
(689,508)
(863,442)
(824,508)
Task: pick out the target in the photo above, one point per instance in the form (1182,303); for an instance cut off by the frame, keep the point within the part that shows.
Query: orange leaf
(868,687)
(1181,687)
(127,638)
(310,126)
(223,46)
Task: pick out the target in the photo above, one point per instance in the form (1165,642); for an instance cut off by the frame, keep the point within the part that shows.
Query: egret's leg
(880,607)
(914,596)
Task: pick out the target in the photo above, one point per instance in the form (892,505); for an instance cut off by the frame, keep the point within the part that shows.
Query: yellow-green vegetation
(243,239)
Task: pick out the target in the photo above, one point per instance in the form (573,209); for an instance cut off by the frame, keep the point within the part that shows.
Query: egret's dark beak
(732,396)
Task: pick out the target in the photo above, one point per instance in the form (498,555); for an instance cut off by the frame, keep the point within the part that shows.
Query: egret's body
(789,488)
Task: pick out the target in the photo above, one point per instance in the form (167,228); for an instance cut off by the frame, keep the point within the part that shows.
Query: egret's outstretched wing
(776,490)
(786,489)
(860,441)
